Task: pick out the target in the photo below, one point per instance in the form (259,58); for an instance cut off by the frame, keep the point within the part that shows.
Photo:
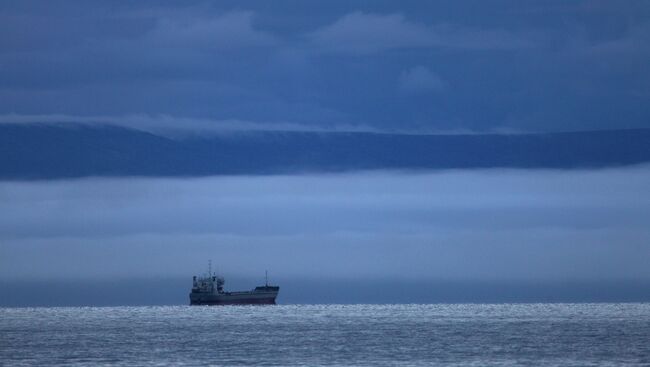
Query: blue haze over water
(300,335)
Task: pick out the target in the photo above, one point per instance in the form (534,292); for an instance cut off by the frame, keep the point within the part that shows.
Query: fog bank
(455,225)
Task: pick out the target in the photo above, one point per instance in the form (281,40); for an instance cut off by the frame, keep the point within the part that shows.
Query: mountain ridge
(38,151)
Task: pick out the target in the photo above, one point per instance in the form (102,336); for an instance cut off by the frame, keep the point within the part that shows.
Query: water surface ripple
(312,335)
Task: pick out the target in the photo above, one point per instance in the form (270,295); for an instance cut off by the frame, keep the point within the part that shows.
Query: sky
(412,67)
(375,65)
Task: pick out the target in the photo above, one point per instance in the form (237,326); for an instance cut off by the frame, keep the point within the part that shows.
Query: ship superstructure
(209,290)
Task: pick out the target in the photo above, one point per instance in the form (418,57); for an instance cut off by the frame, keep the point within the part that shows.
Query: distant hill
(46,151)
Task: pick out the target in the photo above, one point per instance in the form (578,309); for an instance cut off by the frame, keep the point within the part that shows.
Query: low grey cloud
(224,31)
(420,79)
(169,125)
(492,224)
(360,32)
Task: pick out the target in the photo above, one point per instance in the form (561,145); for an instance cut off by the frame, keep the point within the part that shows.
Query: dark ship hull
(224,302)
(259,296)
(264,295)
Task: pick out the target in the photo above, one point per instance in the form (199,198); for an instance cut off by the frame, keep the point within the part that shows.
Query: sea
(329,335)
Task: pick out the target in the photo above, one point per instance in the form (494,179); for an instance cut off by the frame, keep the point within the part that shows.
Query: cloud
(164,124)
(583,70)
(455,225)
(366,33)
(227,31)
(170,125)
(420,79)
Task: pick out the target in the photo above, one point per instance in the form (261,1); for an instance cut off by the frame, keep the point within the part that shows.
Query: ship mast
(266,277)
(210,268)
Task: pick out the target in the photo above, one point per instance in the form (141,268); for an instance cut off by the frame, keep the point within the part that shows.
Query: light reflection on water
(500,334)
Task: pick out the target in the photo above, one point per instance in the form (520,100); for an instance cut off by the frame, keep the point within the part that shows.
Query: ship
(208,290)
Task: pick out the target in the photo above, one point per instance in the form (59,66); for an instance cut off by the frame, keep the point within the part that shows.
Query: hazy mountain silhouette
(45,151)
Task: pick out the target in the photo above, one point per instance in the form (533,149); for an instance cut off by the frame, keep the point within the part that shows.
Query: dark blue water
(504,334)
